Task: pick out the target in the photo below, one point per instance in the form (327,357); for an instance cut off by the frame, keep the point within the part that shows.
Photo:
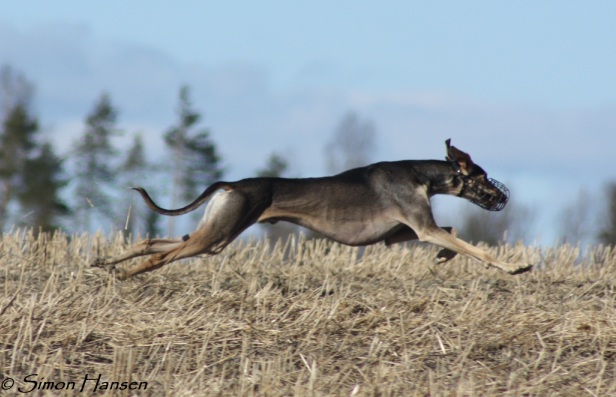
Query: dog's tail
(190,207)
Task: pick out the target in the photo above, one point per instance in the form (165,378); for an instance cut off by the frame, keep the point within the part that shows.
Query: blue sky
(527,88)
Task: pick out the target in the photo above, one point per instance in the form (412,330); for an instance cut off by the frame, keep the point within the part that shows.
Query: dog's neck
(443,177)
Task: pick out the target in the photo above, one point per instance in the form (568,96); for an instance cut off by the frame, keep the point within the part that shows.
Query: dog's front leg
(445,254)
(405,233)
(440,237)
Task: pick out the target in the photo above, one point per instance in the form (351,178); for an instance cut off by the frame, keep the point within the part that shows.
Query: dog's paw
(521,269)
(445,255)
(101,262)
(118,273)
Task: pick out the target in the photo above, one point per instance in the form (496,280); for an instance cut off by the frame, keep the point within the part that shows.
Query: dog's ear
(454,154)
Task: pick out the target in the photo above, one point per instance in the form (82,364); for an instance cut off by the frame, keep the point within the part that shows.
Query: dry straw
(309,318)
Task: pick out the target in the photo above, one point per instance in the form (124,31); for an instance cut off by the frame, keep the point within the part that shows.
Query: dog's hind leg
(227,215)
(144,247)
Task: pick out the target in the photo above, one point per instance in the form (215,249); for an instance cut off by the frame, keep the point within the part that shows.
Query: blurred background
(97,97)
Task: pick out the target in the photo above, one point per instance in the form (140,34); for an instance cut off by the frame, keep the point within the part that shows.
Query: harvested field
(319,321)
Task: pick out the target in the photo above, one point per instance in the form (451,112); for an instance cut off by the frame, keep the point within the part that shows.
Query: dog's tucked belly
(349,232)
(356,215)
(358,233)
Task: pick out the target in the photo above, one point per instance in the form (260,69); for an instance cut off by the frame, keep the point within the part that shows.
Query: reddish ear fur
(454,154)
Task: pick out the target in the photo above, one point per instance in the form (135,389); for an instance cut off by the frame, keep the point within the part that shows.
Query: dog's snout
(490,194)
(501,195)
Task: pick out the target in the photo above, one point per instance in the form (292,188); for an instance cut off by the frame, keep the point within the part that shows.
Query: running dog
(386,201)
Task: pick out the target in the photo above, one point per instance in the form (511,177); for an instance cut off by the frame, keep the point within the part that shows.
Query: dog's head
(477,188)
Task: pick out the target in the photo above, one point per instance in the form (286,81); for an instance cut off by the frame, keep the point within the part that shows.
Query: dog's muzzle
(491,198)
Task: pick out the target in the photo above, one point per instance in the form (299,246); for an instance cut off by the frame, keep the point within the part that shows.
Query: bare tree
(510,224)
(352,144)
(576,219)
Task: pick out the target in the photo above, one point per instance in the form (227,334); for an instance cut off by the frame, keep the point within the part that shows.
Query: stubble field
(309,319)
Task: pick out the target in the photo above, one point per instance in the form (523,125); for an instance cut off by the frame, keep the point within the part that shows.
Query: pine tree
(14,89)
(39,197)
(135,171)
(276,166)
(17,141)
(31,175)
(196,162)
(94,157)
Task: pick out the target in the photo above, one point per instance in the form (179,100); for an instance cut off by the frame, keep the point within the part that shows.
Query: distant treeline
(80,190)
